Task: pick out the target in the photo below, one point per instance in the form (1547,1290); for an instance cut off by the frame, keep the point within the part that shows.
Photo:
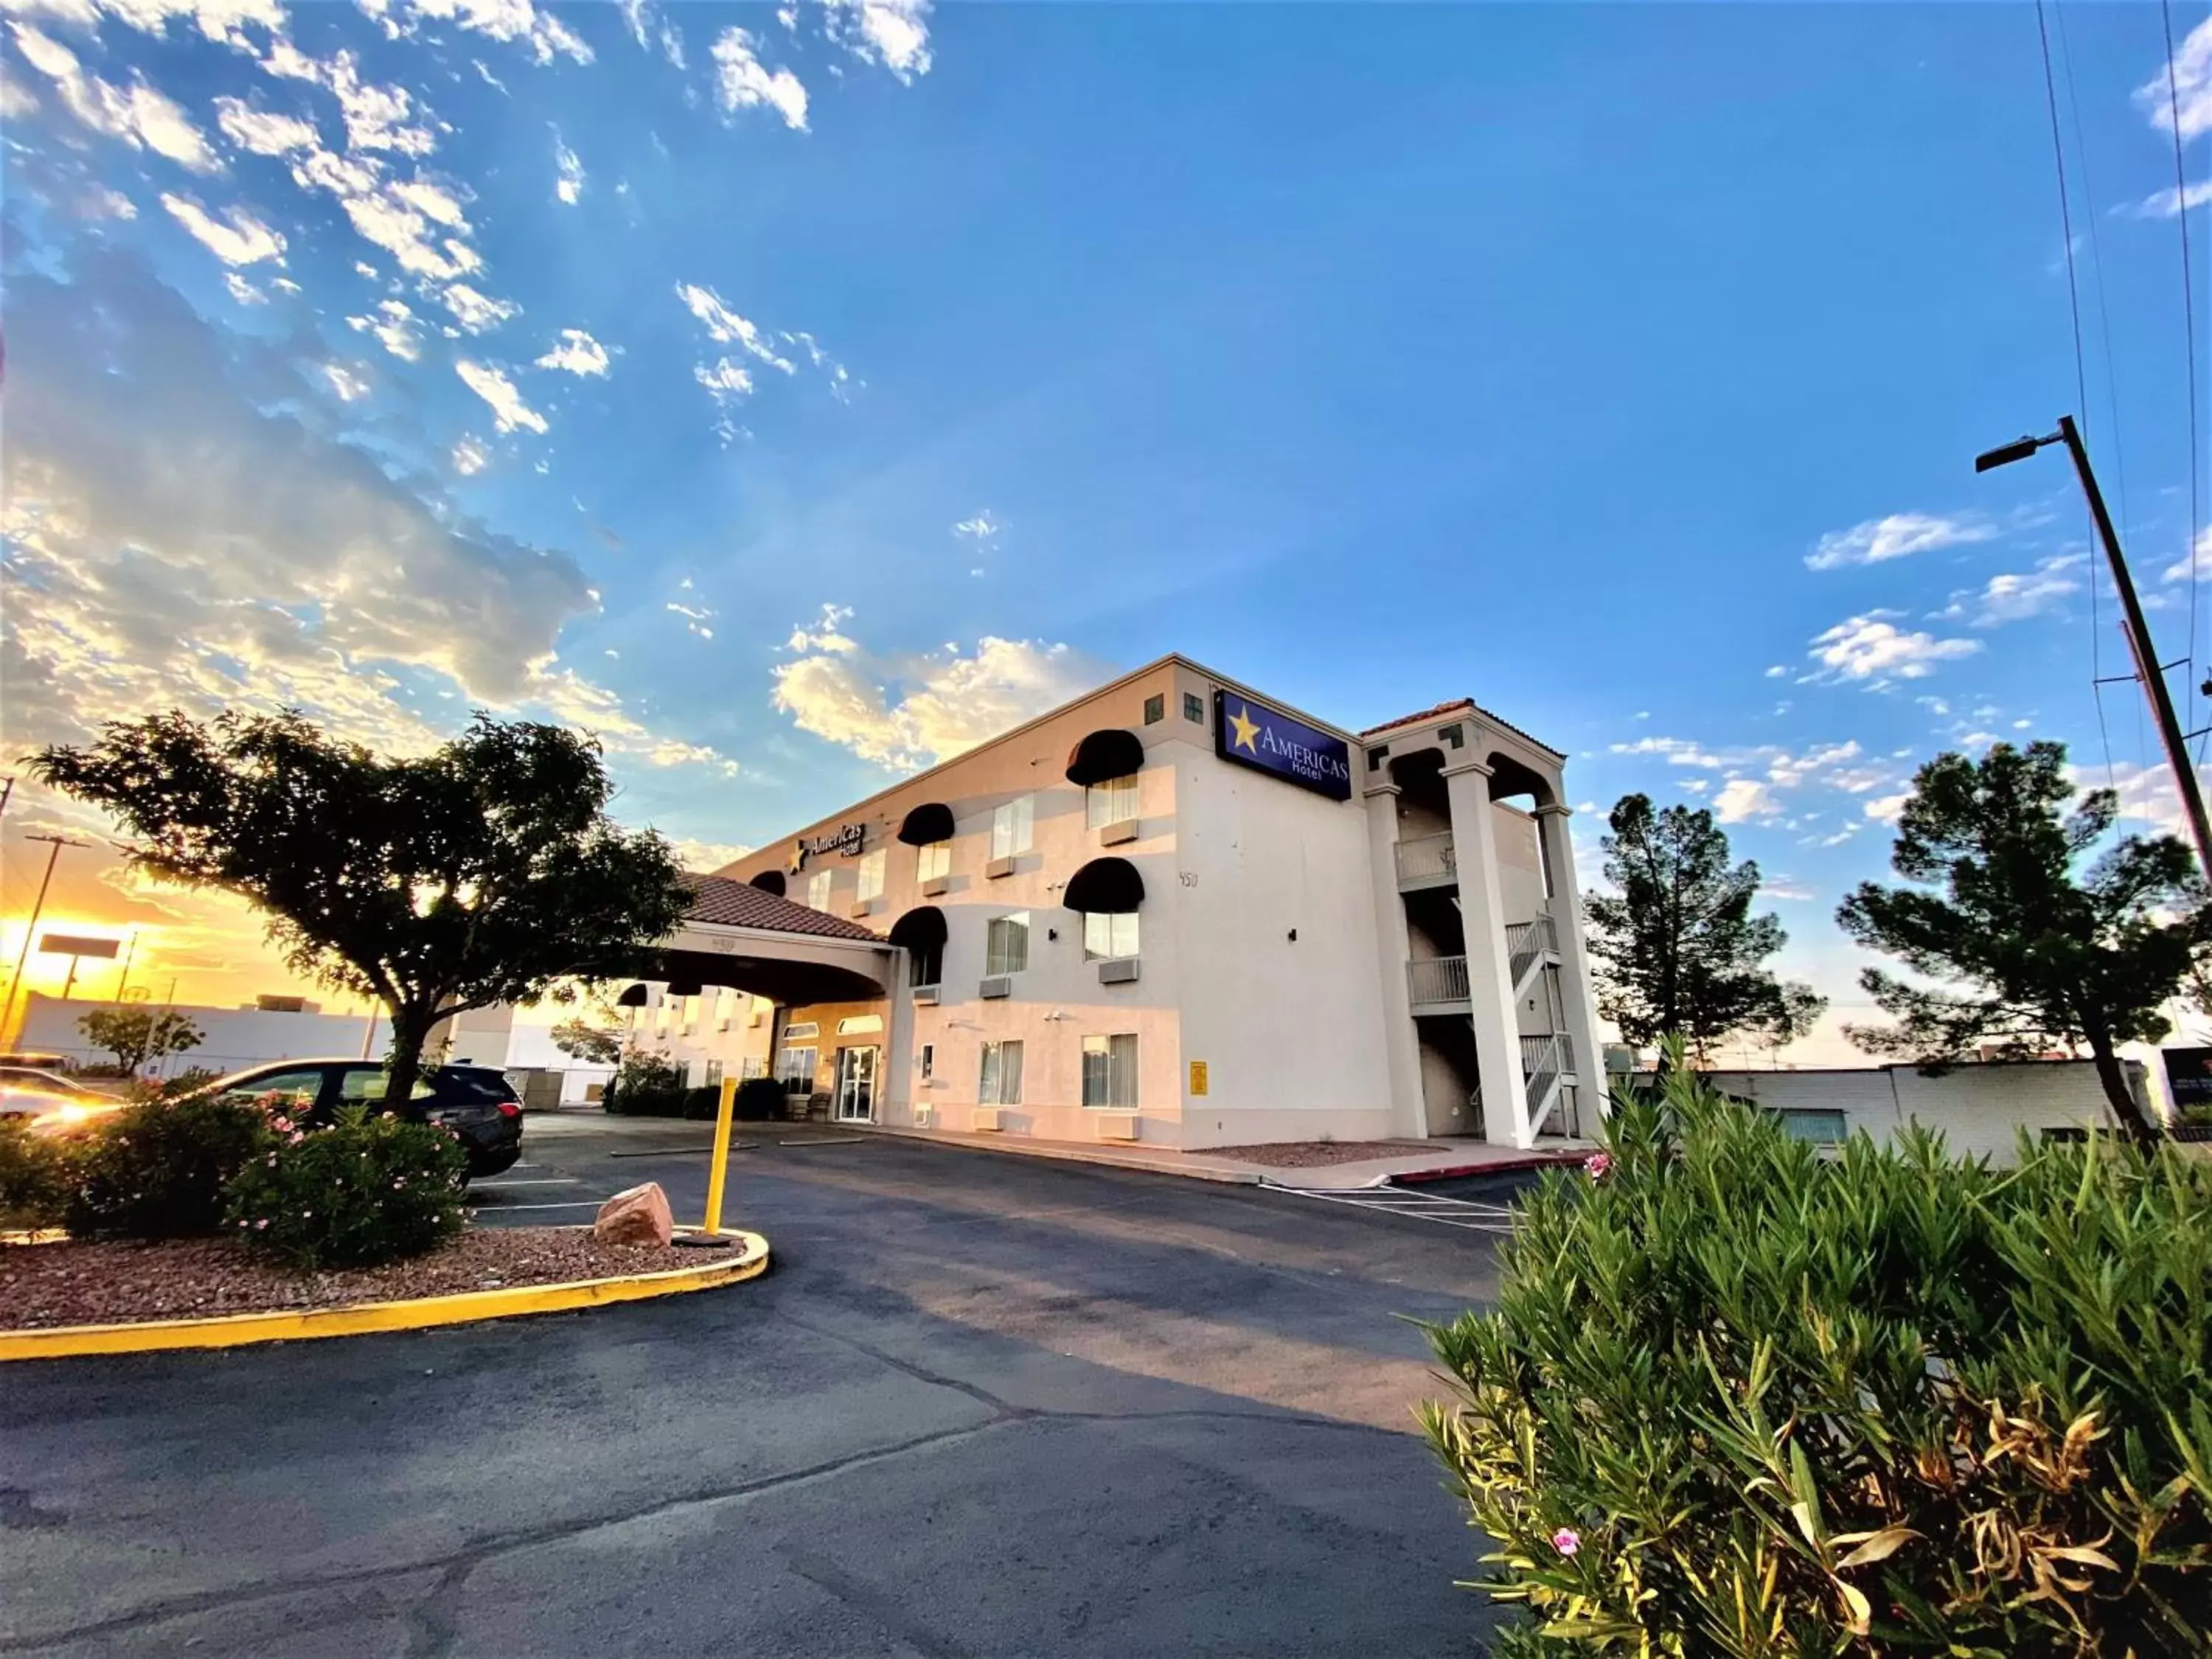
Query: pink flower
(1595,1166)
(260,1227)
(1567,1540)
(293,1138)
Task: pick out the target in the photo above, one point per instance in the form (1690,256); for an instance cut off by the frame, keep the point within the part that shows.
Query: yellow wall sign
(1197,1077)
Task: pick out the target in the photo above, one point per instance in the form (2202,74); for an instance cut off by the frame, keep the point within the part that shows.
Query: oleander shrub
(369,1189)
(760,1099)
(157,1169)
(33,1180)
(647,1087)
(1740,1398)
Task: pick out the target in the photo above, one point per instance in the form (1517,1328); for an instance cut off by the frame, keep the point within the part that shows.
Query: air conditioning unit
(935,885)
(986,1119)
(998,867)
(923,1114)
(861,907)
(925,996)
(1114,1126)
(1120,971)
(1113,835)
(724,1026)
(998,985)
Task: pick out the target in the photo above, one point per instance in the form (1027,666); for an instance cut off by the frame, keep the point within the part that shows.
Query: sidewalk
(1451,1158)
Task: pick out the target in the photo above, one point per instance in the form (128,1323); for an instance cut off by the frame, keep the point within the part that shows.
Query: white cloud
(348,384)
(696,617)
(1787,771)
(396,328)
(545,35)
(726,381)
(1886,809)
(569,187)
(236,239)
(242,290)
(891,33)
(708,856)
(1677,751)
(578,353)
(824,633)
(473,311)
(1741,799)
(2147,795)
(2010,597)
(724,327)
(508,411)
(983,526)
(138,115)
(2190,89)
(1868,647)
(1894,538)
(909,712)
(471,457)
(379,117)
(263,132)
(1786,887)
(1777,672)
(2170,203)
(2200,562)
(222,21)
(742,83)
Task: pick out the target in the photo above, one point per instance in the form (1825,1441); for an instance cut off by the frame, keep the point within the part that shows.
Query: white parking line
(530,1180)
(1422,1207)
(581,1204)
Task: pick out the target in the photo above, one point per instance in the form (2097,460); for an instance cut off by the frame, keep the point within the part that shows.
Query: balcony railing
(1437,979)
(1527,941)
(1427,861)
(1543,1056)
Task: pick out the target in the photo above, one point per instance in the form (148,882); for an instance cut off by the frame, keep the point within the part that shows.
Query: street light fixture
(2133,624)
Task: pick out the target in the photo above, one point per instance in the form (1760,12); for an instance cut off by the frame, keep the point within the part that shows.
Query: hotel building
(1173,911)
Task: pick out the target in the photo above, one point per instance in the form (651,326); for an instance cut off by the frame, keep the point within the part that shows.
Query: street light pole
(31,928)
(2134,625)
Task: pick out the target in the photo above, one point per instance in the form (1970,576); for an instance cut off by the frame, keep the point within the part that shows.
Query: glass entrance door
(856,1085)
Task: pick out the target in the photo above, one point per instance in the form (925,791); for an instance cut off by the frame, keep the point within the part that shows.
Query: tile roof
(738,904)
(1423,714)
(1453,707)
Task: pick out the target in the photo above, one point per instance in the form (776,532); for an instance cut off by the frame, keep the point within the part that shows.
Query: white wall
(1292,1032)
(234,1038)
(1978,1109)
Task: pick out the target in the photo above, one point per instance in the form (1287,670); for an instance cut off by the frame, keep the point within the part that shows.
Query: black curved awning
(635,997)
(1114,753)
(1105,887)
(921,929)
(769,881)
(686,987)
(928,824)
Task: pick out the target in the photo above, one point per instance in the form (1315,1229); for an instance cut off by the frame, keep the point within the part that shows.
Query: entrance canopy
(740,936)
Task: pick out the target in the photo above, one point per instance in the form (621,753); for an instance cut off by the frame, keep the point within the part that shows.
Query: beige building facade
(1174,911)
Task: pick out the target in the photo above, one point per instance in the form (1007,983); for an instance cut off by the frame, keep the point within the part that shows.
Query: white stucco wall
(1978,1109)
(234,1038)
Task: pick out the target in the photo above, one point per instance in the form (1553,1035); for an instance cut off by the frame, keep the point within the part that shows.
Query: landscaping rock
(637,1216)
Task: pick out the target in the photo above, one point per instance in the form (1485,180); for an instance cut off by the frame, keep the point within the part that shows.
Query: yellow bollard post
(720,1169)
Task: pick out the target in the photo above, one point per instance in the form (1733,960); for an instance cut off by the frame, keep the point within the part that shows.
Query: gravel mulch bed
(1312,1154)
(71,1283)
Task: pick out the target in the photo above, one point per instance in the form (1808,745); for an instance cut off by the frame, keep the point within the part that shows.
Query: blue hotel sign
(1252,734)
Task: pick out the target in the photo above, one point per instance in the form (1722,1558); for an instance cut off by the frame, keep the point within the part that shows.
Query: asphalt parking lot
(983,1405)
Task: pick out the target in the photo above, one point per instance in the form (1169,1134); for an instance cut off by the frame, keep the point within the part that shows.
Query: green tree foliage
(367,1189)
(137,1035)
(1677,948)
(34,1176)
(485,871)
(594,1045)
(158,1169)
(2040,957)
(1738,1399)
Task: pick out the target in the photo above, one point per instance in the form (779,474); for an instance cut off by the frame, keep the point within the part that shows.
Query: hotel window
(818,888)
(1110,1071)
(1010,826)
(860,1025)
(794,1067)
(928,1062)
(1193,709)
(804,1028)
(924,964)
(1001,1083)
(1110,802)
(933,861)
(1109,938)
(1156,709)
(872,875)
(1007,945)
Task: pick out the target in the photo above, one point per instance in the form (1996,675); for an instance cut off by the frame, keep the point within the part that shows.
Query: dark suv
(477,1101)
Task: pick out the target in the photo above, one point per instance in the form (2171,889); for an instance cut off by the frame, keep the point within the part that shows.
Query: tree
(2043,957)
(594,1045)
(484,872)
(1678,951)
(136,1036)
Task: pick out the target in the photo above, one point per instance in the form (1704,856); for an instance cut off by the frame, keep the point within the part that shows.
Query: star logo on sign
(1247,730)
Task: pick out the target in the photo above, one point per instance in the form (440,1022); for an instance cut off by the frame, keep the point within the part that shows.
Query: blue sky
(1621,367)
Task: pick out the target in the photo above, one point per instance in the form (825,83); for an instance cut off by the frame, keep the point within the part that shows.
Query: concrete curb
(1501,1166)
(1062,1155)
(363,1318)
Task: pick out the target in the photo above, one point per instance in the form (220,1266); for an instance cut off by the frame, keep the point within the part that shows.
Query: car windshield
(473,1084)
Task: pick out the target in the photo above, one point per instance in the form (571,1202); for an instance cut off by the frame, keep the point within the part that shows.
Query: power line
(2189,330)
(2080,374)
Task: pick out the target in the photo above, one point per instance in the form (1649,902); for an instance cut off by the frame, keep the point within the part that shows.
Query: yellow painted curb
(360,1318)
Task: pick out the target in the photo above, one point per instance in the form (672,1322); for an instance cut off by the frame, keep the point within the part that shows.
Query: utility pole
(123,980)
(2135,628)
(31,928)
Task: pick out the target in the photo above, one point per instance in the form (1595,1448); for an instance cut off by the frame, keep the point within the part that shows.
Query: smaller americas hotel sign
(1252,734)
